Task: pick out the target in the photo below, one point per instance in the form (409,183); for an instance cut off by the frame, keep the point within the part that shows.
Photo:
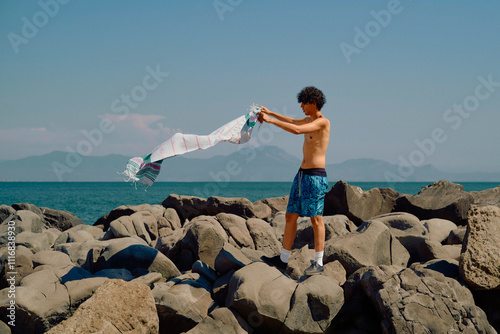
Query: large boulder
(142,224)
(62,220)
(48,296)
(127,253)
(407,228)
(420,301)
(230,258)
(264,236)
(480,258)
(222,320)
(372,244)
(116,307)
(188,207)
(439,229)
(273,303)
(487,197)
(359,205)
(182,302)
(236,229)
(158,211)
(443,199)
(203,238)
(34,241)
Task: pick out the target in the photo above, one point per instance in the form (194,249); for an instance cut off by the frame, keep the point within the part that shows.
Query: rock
(149,279)
(487,300)
(442,199)
(29,207)
(34,241)
(238,205)
(202,239)
(72,235)
(487,197)
(45,298)
(17,262)
(261,210)
(276,204)
(274,303)
(315,303)
(220,288)
(261,294)
(230,258)
(359,205)
(439,229)
(222,320)
(78,251)
(26,220)
(236,229)
(456,236)
(372,244)
(187,207)
(62,220)
(51,258)
(407,228)
(121,273)
(170,219)
(116,213)
(263,236)
(204,270)
(116,307)
(447,267)
(4,328)
(127,253)
(142,224)
(5,212)
(430,250)
(422,302)
(302,258)
(480,258)
(182,302)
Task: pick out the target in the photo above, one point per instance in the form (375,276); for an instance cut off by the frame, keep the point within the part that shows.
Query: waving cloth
(145,169)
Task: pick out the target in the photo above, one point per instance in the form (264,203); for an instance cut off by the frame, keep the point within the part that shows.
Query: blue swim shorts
(308,191)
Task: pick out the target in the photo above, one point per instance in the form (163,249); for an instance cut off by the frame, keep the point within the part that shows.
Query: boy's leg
(319,245)
(319,233)
(290,230)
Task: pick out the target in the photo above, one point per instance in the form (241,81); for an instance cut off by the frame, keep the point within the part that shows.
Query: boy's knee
(317,221)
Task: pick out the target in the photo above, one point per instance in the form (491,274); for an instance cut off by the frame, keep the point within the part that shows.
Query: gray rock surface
(443,199)
(182,302)
(424,301)
(116,307)
(480,258)
(359,205)
(372,244)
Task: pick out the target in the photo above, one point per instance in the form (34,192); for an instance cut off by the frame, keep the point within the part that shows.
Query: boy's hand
(263,118)
(264,110)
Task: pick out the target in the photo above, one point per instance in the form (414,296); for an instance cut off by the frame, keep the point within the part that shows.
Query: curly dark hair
(312,94)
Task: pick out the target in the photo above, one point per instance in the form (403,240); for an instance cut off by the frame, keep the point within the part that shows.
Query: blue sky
(409,68)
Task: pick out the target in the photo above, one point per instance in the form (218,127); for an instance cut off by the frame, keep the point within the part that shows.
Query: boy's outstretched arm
(284,118)
(296,129)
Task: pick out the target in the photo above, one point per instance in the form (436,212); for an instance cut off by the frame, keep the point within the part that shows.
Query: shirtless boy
(310,184)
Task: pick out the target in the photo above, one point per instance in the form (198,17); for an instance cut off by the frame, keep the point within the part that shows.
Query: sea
(91,200)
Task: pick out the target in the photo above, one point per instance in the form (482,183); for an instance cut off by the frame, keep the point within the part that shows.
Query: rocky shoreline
(394,263)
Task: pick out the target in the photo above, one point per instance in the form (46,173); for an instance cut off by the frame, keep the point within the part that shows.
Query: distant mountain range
(266,163)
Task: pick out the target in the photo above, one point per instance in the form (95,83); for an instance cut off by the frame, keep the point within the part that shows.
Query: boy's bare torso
(315,145)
